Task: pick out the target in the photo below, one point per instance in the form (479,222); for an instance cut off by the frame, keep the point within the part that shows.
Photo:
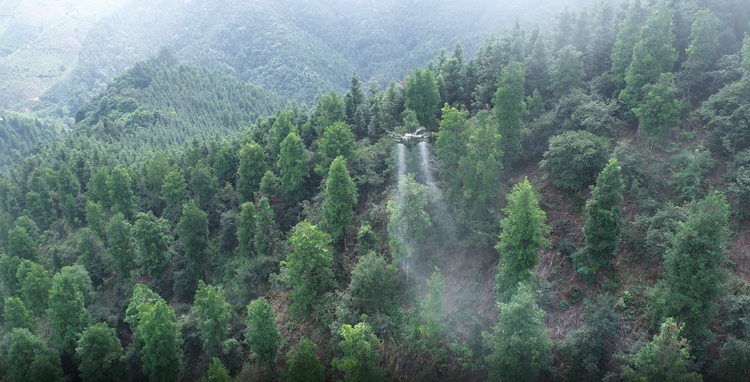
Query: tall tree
(423,97)
(213,317)
(203,183)
(599,60)
(508,110)
(328,110)
(659,109)
(246,230)
(701,54)
(308,266)
(453,76)
(67,314)
(120,185)
(521,347)
(262,335)
(225,166)
(193,231)
(522,234)
(746,56)
(160,332)
(603,228)
(293,167)
(15,315)
(409,220)
(121,244)
(354,104)
(97,189)
(359,362)
(29,358)
(338,140)
(304,363)
(174,192)
(100,356)
(154,243)
(341,197)
(566,72)
(279,131)
(252,168)
(562,29)
(154,172)
(95,218)
(35,285)
(537,65)
(266,230)
(450,146)
(20,244)
(627,36)
(433,307)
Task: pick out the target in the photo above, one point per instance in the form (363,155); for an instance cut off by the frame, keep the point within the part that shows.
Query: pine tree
(121,191)
(121,245)
(328,110)
(293,167)
(746,56)
(522,234)
(193,231)
(304,363)
(100,356)
(341,197)
(246,230)
(262,335)
(603,228)
(337,140)
(566,72)
(266,231)
(433,307)
(450,146)
(537,65)
(203,183)
(653,55)
(423,97)
(67,183)
(97,189)
(95,218)
(225,166)
(354,101)
(174,192)
(454,78)
(308,266)
(160,332)
(562,28)
(152,236)
(521,347)
(213,317)
(627,36)
(598,58)
(279,131)
(217,372)
(508,110)
(252,168)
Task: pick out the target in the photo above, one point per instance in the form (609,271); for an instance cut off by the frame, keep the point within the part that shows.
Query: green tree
(154,172)
(433,307)
(373,284)
(409,220)
(35,285)
(97,188)
(338,140)
(359,362)
(252,167)
(90,250)
(193,231)
(603,228)
(537,64)
(214,314)
(270,187)
(174,192)
(308,266)
(627,36)
(95,218)
(246,230)
(355,104)
(262,335)
(67,314)
(453,74)
(653,55)
(694,272)
(666,358)
(521,347)
(508,110)
(152,236)
(67,183)
(69,210)
(701,54)
(423,97)
(15,315)
(328,110)
(100,356)
(566,72)
(746,56)
(29,358)
(121,194)
(304,363)
(203,184)
(160,332)
(8,268)
(659,109)
(225,166)
(266,231)
(522,233)
(574,159)
(281,128)
(293,167)
(450,146)
(341,197)
(598,58)
(20,244)
(562,29)
(121,244)
(217,372)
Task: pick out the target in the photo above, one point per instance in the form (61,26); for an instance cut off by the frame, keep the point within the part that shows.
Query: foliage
(121,245)
(304,364)
(154,251)
(423,97)
(409,220)
(520,345)
(341,198)
(308,266)
(449,145)
(160,332)
(252,168)
(100,355)
(293,167)
(35,284)
(262,335)
(337,140)
(659,109)
(266,231)
(666,358)
(433,307)
(574,158)
(217,372)
(29,358)
(566,72)
(508,110)
(522,233)
(21,244)
(66,312)
(360,359)
(193,232)
(15,315)
(120,185)
(213,312)
(373,284)
(246,230)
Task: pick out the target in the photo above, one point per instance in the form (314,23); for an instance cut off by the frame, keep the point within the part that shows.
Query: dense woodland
(579,214)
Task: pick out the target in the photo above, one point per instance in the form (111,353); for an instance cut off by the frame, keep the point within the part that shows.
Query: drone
(410,139)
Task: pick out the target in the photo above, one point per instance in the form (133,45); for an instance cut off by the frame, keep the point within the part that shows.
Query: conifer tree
(328,110)
(293,167)
(225,166)
(304,363)
(341,197)
(35,283)
(67,183)
(746,56)
(266,231)
(152,236)
(338,140)
(433,307)
(653,55)
(217,372)
(213,317)
(30,359)
(409,220)
(308,266)
(121,194)
(581,32)
(160,332)
(193,231)
(566,72)
(174,192)
(262,336)
(508,110)
(659,109)
(252,168)
(359,362)
(203,183)
(701,54)
(627,36)
(599,60)
(562,28)
(121,245)
(537,65)
(454,78)
(521,347)
(280,130)
(603,228)
(246,230)
(15,315)
(522,234)
(423,97)
(450,146)
(20,244)
(100,356)
(270,187)
(354,102)
(95,218)
(67,314)
(97,189)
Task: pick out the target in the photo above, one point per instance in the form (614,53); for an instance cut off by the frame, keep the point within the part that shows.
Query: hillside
(562,205)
